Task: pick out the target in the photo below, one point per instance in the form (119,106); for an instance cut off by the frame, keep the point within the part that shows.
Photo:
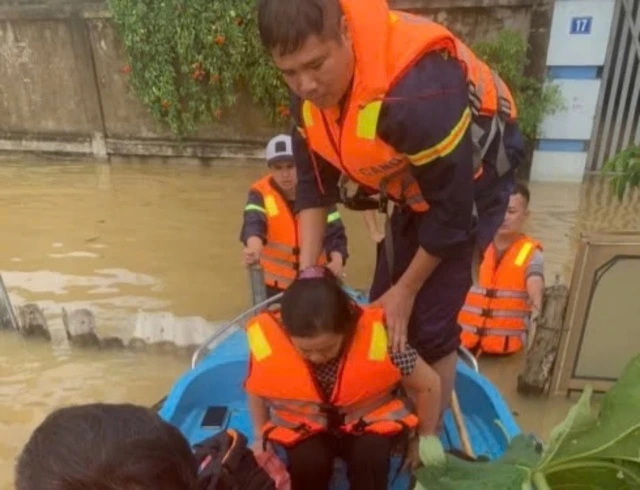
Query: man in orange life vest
(269,230)
(405,109)
(496,317)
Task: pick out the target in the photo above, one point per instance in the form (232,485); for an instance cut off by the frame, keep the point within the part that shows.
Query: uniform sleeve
(536,265)
(254,222)
(427,118)
(336,237)
(317,181)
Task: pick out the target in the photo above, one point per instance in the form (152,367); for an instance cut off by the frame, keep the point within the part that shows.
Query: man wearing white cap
(270,227)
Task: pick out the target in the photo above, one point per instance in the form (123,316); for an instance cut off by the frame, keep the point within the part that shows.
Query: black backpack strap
(235,451)
(210,455)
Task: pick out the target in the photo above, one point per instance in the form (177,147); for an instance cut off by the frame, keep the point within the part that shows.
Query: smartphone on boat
(215,418)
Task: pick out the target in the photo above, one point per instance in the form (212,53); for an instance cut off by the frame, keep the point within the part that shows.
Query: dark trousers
(366,456)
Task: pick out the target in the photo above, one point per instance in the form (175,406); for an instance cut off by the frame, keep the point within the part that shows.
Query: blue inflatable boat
(210,398)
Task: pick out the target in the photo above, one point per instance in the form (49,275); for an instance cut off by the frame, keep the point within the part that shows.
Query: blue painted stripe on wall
(572,146)
(573,72)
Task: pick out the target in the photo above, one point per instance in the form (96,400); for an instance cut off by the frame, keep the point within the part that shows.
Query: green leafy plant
(626,169)
(188,59)
(507,55)
(596,452)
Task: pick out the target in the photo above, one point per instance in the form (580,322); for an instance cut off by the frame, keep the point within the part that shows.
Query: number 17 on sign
(581,25)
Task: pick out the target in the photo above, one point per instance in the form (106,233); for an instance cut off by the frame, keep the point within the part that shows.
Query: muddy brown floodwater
(164,238)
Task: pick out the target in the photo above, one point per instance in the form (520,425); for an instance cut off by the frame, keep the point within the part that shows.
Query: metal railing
(469,358)
(204,348)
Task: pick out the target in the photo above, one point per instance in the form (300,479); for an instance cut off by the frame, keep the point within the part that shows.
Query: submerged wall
(62,90)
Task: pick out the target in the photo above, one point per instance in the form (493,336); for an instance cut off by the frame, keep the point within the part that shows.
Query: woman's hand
(258,446)
(412,460)
(336,265)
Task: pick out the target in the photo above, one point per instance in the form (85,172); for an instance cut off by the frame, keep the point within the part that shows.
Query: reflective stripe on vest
(317,413)
(497,293)
(499,332)
(490,313)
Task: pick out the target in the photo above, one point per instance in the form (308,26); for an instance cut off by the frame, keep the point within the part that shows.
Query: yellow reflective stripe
(306,114)
(368,120)
(335,216)
(522,255)
(271,206)
(258,343)
(447,145)
(254,207)
(379,346)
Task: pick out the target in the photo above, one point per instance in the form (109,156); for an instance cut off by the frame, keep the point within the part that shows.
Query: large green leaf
(584,452)
(512,471)
(579,419)
(615,433)
(597,475)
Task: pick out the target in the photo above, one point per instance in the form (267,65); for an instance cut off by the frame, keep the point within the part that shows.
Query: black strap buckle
(335,418)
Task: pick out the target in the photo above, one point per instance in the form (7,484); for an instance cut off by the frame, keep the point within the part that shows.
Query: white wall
(577,48)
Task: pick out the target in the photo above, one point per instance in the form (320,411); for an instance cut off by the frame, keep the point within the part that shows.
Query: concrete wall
(62,89)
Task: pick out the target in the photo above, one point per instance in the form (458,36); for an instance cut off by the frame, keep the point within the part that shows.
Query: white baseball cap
(279,148)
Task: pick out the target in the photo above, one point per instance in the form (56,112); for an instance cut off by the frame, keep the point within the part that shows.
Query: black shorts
(433,326)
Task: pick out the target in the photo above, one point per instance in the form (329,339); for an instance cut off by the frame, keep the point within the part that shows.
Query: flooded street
(126,238)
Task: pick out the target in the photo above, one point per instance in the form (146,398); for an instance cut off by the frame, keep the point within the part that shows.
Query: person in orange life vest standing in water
(497,315)
(323,383)
(270,229)
(406,110)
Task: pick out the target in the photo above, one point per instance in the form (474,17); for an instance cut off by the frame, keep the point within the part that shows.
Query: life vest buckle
(487,313)
(491,293)
(335,418)
(360,426)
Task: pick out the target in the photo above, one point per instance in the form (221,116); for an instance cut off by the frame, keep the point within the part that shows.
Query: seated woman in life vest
(323,383)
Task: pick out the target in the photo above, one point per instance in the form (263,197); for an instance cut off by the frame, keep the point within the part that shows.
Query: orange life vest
(364,398)
(387,44)
(280,255)
(494,317)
